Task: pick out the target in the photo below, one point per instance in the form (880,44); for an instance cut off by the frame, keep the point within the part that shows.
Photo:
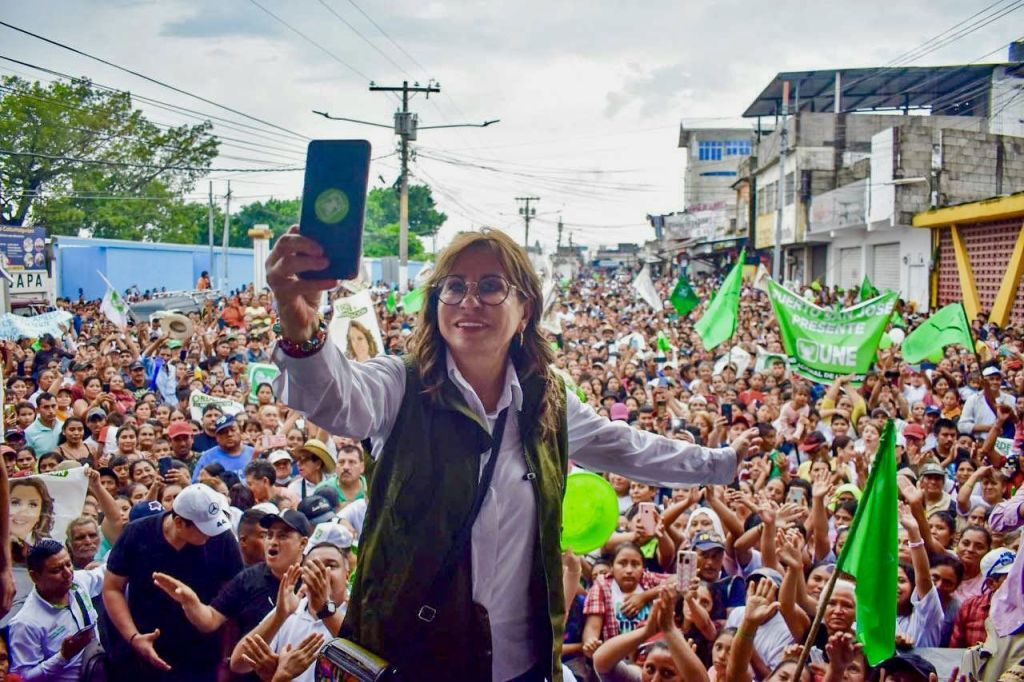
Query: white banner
(14,327)
(42,506)
(198,401)
(357,309)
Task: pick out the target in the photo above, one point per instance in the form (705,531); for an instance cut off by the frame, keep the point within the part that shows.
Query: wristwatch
(329,609)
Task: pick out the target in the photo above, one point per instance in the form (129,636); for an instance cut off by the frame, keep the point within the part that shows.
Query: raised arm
(685,658)
(761,606)
(918,553)
(820,492)
(963,497)
(359,400)
(112,523)
(797,607)
(603,445)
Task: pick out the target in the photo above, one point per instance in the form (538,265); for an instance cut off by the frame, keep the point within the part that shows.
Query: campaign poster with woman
(354,327)
(42,506)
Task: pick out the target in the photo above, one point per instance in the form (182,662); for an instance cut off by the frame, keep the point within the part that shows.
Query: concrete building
(707,229)
(854,179)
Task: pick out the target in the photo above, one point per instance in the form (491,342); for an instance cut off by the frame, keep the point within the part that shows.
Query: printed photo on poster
(354,327)
(43,505)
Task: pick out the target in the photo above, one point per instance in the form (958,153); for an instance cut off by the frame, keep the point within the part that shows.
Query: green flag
(824,344)
(946,327)
(684,298)
(871,553)
(897,320)
(718,323)
(390,304)
(664,345)
(867,289)
(413,301)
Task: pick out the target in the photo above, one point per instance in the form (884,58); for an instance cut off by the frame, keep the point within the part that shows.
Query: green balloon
(937,356)
(886,341)
(590,512)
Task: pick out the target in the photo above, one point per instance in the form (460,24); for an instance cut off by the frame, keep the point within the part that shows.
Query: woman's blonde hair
(530,352)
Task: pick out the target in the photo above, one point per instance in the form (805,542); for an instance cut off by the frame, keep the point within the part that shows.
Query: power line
(151,166)
(385,34)
(930,45)
(155,81)
(365,39)
(103,136)
(909,53)
(244,128)
(313,42)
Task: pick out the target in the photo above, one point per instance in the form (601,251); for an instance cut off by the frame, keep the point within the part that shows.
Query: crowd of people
(199,523)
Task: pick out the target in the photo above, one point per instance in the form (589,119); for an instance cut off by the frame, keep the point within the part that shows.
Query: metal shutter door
(849,267)
(885,272)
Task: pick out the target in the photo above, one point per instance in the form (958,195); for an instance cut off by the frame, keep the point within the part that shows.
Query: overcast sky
(590,94)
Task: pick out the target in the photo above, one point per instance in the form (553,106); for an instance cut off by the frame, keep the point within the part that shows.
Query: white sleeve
(91,581)
(616,447)
(926,621)
(354,399)
(355,513)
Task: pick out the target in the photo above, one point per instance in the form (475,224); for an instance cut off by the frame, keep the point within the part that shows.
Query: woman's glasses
(490,290)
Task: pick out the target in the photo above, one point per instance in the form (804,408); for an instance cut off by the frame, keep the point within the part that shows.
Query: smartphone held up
(334,204)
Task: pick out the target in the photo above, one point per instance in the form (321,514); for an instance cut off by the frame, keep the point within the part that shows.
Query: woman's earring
(520,339)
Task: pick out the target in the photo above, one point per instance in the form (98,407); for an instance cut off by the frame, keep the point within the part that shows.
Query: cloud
(222,20)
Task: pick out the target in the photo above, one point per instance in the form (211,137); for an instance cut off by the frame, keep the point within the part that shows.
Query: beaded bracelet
(306,348)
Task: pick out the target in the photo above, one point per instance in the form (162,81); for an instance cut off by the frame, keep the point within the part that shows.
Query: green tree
(382,210)
(279,214)
(73,156)
(383,241)
(380,233)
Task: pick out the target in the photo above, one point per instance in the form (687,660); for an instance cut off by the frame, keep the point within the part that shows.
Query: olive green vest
(421,490)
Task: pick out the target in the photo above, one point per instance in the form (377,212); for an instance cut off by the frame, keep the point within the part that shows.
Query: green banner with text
(825,344)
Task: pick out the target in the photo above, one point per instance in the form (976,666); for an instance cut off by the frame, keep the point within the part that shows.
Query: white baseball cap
(997,562)
(205,507)
(279,455)
(329,533)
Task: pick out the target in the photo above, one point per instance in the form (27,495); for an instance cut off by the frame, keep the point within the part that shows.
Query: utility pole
(212,269)
(777,270)
(559,233)
(227,232)
(405,126)
(527,214)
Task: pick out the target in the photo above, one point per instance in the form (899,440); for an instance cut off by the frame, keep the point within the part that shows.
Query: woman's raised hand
(297,299)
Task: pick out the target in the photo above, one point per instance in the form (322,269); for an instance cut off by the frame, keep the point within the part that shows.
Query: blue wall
(151,266)
(142,264)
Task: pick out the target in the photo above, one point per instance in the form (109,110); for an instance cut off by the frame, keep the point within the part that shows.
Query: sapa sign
(29,282)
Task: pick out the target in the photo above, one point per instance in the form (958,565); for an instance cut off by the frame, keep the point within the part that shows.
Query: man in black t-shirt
(193,544)
(252,593)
